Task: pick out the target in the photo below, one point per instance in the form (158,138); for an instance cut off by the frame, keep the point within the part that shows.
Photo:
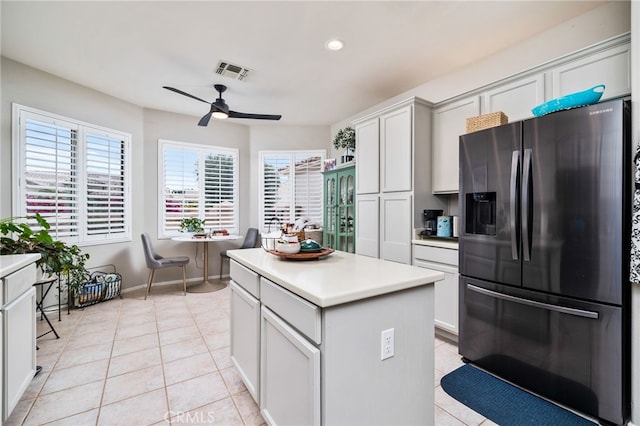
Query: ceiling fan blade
(185,94)
(235,114)
(205,119)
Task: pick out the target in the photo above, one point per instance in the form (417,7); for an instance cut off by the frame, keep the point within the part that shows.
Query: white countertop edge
(333,283)
(436,243)
(9,263)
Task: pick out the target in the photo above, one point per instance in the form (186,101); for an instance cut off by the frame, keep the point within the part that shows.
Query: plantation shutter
(105,171)
(181,190)
(308,187)
(50,164)
(291,187)
(220,191)
(74,174)
(199,181)
(276,194)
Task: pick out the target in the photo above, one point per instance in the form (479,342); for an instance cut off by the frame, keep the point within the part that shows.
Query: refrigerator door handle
(526,201)
(542,305)
(513,204)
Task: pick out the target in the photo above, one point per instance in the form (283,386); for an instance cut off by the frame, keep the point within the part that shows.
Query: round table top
(191,239)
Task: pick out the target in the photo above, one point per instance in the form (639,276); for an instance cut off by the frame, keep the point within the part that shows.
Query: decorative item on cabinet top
(572,100)
(346,138)
(485,121)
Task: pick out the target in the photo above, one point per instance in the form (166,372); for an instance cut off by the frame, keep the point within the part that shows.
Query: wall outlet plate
(387,343)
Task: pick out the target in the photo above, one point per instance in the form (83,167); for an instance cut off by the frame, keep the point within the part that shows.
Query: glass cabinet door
(339,209)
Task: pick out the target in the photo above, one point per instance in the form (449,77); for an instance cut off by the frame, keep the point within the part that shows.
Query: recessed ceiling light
(334,45)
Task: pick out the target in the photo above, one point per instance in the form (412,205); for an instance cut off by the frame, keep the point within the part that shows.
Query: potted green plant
(56,257)
(192,225)
(346,139)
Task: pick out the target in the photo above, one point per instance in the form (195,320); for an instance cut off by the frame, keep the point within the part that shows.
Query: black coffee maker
(431,222)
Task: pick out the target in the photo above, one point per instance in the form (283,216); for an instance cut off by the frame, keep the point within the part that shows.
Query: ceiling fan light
(219,115)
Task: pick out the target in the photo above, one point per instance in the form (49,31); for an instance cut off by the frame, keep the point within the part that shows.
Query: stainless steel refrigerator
(544,255)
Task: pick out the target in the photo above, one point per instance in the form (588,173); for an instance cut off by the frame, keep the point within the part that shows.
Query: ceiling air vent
(236,72)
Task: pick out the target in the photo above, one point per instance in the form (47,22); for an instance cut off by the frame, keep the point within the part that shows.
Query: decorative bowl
(286,247)
(310,245)
(573,100)
(290,238)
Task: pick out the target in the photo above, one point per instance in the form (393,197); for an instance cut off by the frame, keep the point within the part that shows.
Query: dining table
(205,286)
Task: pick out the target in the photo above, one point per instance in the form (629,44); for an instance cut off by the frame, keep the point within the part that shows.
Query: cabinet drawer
(17,283)
(301,314)
(245,278)
(435,254)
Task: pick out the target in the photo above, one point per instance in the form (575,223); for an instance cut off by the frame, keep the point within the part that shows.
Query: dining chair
(250,241)
(155,261)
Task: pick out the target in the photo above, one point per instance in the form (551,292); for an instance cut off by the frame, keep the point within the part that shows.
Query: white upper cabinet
(607,63)
(395,144)
(611,67)
(368,157)
(516,99)
(449,122)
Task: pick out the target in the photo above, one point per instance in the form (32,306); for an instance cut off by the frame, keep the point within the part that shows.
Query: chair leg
(184,279)
(151,272)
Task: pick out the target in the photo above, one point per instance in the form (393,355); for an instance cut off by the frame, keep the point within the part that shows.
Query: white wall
(34,88)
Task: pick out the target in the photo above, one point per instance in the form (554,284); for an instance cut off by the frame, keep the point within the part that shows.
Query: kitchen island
(346,339)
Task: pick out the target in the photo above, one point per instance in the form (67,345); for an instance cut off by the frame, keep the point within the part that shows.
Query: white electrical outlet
(387,344)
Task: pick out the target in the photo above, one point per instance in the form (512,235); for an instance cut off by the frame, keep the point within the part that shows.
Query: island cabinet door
(19,351)
(289,374)
(245,338)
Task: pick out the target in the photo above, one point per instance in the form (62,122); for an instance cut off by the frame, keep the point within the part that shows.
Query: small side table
(46,287)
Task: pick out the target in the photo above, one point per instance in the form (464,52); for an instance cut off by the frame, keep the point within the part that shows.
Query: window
(197,181)
(75,174)
(291,186)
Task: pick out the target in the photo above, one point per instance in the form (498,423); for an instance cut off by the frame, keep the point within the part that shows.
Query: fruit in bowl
(283,246)
(310,245)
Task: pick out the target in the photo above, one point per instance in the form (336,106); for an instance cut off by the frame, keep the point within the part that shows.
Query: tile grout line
(113,341)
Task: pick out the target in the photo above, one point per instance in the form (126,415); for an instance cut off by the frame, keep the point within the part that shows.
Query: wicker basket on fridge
(486,121)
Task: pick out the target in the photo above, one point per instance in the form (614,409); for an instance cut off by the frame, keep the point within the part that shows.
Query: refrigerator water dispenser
(481,213)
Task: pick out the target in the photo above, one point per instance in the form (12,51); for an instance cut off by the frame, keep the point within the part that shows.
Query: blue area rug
(503,403)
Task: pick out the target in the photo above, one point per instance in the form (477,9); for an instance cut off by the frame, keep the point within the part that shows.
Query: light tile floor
(164,360)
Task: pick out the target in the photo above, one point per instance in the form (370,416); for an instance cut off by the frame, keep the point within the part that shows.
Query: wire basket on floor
(100,286)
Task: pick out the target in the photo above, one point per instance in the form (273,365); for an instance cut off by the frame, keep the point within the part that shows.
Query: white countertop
(335,279)
(9,263)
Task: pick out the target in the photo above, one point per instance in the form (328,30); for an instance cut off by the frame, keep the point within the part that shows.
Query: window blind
(51,175)
(291,186)
(74,174)
(198,181)
(105,190)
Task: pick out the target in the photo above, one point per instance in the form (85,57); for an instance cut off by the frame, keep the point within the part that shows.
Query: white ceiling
(131,49)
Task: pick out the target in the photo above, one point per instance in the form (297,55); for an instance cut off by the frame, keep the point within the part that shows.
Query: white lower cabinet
(245,339)
(446,291)
(19,349)
(290,374)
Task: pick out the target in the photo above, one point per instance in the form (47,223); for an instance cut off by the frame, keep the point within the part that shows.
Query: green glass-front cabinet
(339,209)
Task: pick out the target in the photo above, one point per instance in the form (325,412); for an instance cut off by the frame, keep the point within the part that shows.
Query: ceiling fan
(220,109)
